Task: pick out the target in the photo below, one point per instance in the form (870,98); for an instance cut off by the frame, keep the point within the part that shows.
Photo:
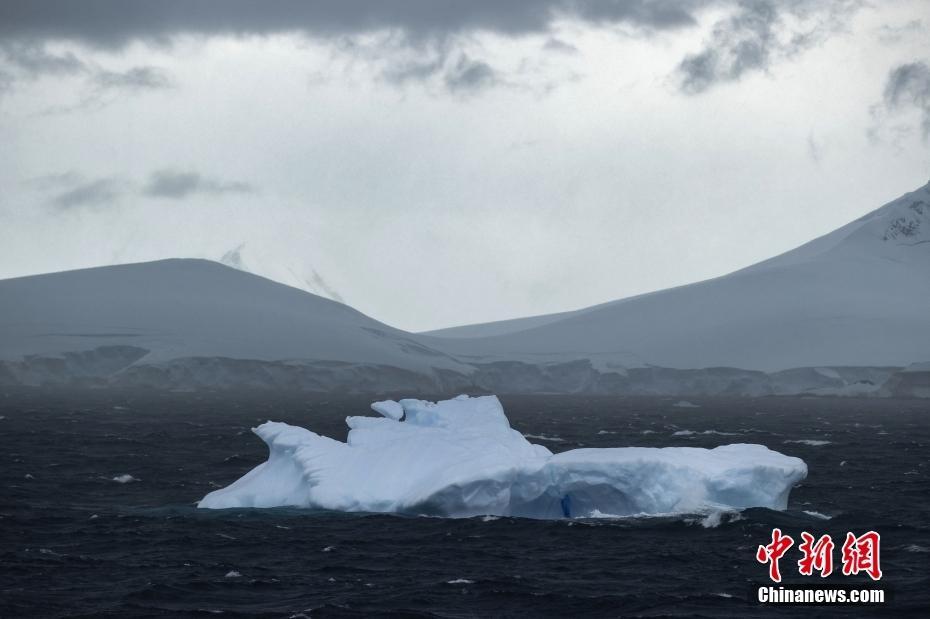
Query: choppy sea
(97,516)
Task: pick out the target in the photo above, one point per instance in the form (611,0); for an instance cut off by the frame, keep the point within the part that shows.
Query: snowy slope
(191,308)
(857,296)
(498,327)
(245,258)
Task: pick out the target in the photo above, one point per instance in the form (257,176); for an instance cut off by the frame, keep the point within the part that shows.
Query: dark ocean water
(76,543)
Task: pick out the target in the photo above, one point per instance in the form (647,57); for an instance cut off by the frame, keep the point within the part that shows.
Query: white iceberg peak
(389,409)
(461,458)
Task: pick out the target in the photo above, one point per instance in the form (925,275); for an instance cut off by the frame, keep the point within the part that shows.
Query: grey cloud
(115,22)
(402,72)
(93,193)
(54,181)
(756,34)
(420,48)
(657,14)
(469,75)
(438,59)
(739,44)
(890,35)
(428,59)
(176,185)
(34,58)
(750,39)
(73,190)
(31,60)
(134,79)
(28,60)
(104,87)
(557,45)
(908,87)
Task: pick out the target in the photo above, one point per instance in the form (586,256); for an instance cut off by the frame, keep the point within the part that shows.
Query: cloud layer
(750,37)
(115,22)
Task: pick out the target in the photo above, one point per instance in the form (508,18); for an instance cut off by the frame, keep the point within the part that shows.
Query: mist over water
(97,513)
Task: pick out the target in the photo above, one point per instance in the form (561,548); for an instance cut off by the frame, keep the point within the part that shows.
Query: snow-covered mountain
(184,309)
(858,296)
(843,314)
(245,258)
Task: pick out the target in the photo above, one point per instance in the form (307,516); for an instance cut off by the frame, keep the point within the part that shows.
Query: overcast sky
(441,163)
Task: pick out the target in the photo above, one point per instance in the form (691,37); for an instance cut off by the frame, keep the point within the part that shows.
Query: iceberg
(461,458)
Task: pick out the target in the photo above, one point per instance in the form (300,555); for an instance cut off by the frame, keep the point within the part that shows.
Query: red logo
(817,555)
(860,554)
(773,552)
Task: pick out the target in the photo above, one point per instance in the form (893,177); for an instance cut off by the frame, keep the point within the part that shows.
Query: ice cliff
(461,458)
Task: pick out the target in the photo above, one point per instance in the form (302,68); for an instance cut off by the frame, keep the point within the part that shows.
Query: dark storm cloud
(756,34)
(177,185)
(115,22)
(422,45)
(908,87)
(97,192)
(749,39)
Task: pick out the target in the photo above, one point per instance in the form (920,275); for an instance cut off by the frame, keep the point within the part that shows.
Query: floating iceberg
(461,458)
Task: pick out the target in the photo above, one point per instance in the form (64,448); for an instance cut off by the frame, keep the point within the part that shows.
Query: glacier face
(461,458)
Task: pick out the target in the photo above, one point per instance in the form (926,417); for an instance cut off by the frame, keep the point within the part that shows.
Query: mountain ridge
(839,314)
(910,212)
